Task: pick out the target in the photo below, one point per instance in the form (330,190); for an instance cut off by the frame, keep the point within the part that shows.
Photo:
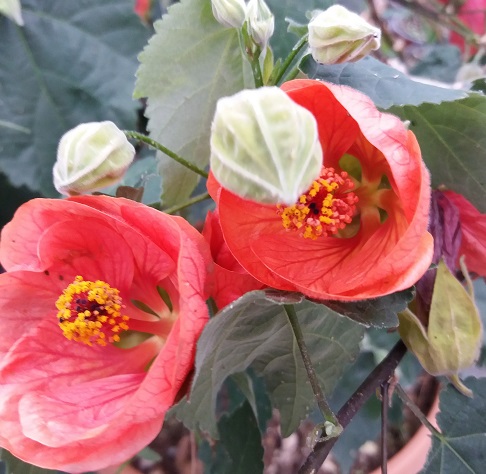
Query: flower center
(89,312)
(326,208)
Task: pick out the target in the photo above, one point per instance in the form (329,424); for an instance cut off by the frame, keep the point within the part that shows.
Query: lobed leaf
(453,143)
(462,447)
(71,62)
(254,332)
(383,84)
(379,312)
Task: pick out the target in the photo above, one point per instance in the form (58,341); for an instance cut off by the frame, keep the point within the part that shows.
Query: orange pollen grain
(327,207)
(89,312)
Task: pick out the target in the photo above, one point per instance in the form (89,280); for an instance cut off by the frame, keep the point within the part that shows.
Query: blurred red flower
(142,8)
(361,229)
(473,233)
(77,391)
(473,14)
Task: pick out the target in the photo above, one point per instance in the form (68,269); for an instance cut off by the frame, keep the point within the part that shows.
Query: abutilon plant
(360,231)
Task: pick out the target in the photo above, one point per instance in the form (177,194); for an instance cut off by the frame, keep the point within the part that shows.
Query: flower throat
(89,312)
(327,207)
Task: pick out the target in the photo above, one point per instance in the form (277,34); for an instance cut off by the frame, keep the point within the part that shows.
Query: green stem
(256,69)
(325,409)
(190,202)
(417,411)
(289,59)
(163,149)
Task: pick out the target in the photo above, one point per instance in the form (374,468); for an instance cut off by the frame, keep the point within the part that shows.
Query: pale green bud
(338,35)
(264,146)
(91,156)
(261,22)
(453,338)
(13,10)
(230,13)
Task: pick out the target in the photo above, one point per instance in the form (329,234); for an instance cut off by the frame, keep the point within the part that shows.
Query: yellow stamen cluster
(325,209)
(89,312)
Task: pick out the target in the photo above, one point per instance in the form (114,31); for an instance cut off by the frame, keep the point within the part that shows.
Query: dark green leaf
(453,143)
(241,437)
(463,424)
(72,62)
(254,332)
(12,465)
(379,312)
(239,450)
(383,84)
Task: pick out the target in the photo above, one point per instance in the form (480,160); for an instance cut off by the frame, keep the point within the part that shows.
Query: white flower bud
(261,22)
(13,10)
(264,146)
(91,156)
(230,13)
(338,35)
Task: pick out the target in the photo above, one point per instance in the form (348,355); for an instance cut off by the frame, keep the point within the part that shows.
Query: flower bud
(337,35)
(230,13)
(90,157)
(264,146)
(261,22)
(453,338)
(13,10)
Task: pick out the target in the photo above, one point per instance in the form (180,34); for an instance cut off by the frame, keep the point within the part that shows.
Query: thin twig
(381,373)
(189,202)
(384,425)
(158,146)
(282,70)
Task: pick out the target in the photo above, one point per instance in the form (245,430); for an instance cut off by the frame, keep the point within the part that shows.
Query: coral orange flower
(229,279)
(102,304)
(360,231)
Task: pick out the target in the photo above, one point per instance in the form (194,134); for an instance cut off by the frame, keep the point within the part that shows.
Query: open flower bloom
(229,279)
(102,304)
(361,229)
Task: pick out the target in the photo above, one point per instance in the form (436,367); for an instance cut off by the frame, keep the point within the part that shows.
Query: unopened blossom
(230,13)
(91,156)
(264,146)
(338,35)
(102,304)
(261,22)
(451,339)
(360,229)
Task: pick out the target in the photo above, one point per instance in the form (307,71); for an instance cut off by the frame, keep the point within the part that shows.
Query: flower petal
(473,228)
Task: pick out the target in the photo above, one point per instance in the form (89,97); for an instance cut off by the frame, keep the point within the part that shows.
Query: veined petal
(473,228)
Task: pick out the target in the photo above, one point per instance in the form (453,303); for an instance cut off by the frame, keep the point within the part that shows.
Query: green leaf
(462,449)
(383,84)
(13,465)
(379,312)
(189,64)
(453,143)
(241,437)
(72,62)
(239,450)
(254,332)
